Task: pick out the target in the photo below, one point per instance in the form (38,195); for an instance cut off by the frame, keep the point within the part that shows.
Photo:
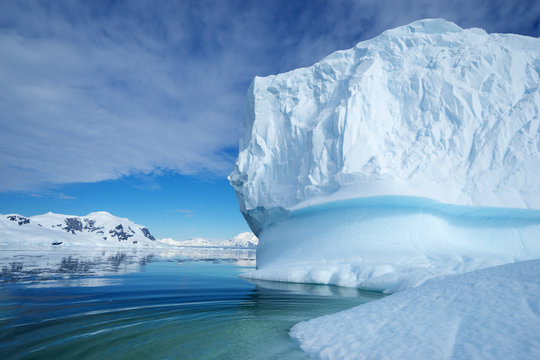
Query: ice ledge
(392,243)
(377,193)
(449,194)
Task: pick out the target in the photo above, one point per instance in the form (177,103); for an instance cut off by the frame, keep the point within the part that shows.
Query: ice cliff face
(426,110)
(412,155)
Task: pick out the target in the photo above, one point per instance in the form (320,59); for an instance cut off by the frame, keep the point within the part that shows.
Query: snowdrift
(413,154)
(487,314)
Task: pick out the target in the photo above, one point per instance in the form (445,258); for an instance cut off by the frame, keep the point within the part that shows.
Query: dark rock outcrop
(120,233)
(147,234)
(21,220)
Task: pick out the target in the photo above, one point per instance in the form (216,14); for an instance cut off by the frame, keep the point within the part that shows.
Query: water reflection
(54,306)
(61,268)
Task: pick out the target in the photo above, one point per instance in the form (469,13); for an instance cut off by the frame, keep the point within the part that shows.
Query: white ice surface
(487,314)
(426,110)
(413,154)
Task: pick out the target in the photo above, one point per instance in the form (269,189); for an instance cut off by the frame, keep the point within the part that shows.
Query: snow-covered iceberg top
(425,110)
(97,229)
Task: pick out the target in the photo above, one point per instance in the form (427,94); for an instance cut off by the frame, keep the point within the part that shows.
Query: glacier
(412,155)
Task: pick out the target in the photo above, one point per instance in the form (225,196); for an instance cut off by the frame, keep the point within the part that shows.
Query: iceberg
(412,155)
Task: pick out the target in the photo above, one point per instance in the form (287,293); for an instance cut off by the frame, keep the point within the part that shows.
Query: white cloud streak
(185,211)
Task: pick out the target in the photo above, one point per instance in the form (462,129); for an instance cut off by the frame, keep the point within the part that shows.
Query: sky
(135,107)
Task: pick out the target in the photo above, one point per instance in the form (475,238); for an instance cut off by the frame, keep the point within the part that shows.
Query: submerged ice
(411,155)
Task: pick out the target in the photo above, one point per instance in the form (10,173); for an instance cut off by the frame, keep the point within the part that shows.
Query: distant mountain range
(98,229)
(95,229)
(246,240)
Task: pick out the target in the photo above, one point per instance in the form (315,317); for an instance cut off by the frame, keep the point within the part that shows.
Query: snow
(487,314)
(412,155)
(427,109)
(97,229)
(246,240)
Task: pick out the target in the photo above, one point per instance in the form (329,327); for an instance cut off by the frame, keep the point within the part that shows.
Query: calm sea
(187,304)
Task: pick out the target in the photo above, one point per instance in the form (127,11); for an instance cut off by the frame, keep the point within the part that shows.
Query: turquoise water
(165,306)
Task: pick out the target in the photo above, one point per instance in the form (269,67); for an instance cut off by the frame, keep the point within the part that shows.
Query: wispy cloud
(186,212)
(94,90)
(63,196)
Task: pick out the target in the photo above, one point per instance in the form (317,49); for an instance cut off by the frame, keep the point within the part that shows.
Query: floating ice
(414,154)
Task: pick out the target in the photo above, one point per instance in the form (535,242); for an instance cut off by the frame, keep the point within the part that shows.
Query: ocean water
(189,304)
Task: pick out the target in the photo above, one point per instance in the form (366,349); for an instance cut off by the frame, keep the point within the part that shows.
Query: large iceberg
(411,155)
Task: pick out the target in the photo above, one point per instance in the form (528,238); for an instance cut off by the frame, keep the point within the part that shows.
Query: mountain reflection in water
(186,304)
(60,267)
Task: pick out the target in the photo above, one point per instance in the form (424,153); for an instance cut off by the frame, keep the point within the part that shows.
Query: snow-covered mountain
(99,229)
(246,240)
(413,154)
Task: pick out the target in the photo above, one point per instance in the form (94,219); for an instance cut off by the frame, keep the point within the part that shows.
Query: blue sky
(135,107)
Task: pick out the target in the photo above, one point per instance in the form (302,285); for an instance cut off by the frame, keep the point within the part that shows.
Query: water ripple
(200,310)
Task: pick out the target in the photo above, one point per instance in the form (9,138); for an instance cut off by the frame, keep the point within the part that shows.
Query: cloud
(98,97)
(63,196)
(186,212)
(92,91)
